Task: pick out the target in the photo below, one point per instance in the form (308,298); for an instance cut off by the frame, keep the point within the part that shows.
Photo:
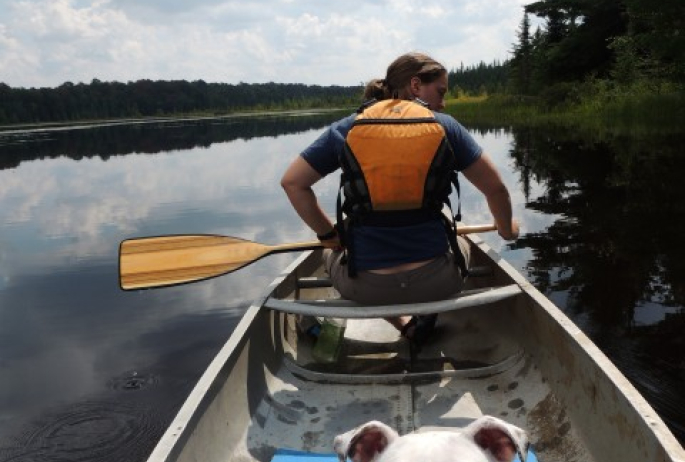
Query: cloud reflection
(65,326)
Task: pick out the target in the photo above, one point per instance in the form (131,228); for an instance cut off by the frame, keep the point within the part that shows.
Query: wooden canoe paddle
(178,259)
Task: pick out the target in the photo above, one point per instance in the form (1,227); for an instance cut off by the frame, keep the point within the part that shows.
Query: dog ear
(365,442)
(502,439)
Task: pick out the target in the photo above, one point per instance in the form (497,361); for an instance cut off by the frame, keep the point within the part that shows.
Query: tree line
(621,41)
(147,98)
(99,100)
(625,43)
(479,79)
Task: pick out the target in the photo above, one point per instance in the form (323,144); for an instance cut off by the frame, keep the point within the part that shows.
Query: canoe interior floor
(375,347)
(305,414)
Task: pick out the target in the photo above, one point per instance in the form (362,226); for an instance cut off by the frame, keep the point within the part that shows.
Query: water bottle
(330,340)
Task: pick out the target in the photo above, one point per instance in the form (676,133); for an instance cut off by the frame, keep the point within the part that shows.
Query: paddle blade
(170,260)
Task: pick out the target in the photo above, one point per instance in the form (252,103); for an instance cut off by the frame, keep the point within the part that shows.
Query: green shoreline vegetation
(616,65)
(601,108)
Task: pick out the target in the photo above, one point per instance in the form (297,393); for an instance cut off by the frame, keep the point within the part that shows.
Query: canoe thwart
(346,309)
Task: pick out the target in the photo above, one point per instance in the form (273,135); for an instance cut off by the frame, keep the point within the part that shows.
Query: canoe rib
(404,377)
(347,309)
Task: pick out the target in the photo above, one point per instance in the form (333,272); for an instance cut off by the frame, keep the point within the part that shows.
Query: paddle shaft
(311,245)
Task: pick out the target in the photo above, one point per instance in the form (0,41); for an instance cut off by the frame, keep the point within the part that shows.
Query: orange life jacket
(397,169)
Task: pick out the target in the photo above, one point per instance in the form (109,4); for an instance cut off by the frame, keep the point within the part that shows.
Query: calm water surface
(91,373)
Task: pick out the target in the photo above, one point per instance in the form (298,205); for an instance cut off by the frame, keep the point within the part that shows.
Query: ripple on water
(133,381)
(87,432)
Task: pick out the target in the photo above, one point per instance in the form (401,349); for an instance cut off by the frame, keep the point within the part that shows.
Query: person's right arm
(297,182)
(483,174)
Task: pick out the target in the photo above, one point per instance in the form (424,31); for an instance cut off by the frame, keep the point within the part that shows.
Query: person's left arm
(477,167)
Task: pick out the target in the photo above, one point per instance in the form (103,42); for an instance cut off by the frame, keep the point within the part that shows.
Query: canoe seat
(314,283)
(341,308)
(321,282)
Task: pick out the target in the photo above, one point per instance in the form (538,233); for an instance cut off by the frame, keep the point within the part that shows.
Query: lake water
(89,372)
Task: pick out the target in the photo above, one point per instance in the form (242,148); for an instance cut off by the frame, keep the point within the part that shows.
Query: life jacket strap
(344,234)
(451,228)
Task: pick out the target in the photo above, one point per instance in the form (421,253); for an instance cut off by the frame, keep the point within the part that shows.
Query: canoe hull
(519,359)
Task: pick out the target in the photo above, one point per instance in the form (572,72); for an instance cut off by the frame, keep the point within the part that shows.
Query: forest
(580,51)
(147,98)
(625,42)
(622,42)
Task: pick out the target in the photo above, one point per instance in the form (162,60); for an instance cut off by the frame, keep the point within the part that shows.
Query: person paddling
(399,156)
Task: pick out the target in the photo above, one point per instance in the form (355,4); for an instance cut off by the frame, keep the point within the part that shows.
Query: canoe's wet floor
(305,415)
(300,413)
(372,346)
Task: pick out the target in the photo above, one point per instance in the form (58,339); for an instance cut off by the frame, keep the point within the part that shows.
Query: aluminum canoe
(500,348)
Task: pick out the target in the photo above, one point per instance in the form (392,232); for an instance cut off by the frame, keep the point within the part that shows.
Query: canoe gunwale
(594,367)
(171,444)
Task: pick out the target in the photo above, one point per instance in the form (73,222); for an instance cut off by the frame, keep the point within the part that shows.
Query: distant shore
(76,124)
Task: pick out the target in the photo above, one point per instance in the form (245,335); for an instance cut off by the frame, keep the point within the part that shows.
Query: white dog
(487,439)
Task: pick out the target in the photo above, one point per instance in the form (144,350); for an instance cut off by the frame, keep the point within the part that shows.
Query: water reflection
(616,253)
(108,140)
(617,244)
(68,334)
(88,369)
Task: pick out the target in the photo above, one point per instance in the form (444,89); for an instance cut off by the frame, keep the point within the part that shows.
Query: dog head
(487,439)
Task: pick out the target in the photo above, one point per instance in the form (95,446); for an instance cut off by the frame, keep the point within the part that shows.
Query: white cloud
(48,42)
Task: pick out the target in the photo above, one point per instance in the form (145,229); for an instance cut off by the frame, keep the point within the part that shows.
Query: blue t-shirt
(383,247)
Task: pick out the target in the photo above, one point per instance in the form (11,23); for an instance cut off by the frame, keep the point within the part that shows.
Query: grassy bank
(590,106)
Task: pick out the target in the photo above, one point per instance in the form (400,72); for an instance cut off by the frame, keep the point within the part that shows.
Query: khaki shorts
(438,280)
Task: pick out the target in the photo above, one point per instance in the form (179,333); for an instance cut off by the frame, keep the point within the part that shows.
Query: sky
(44,43)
